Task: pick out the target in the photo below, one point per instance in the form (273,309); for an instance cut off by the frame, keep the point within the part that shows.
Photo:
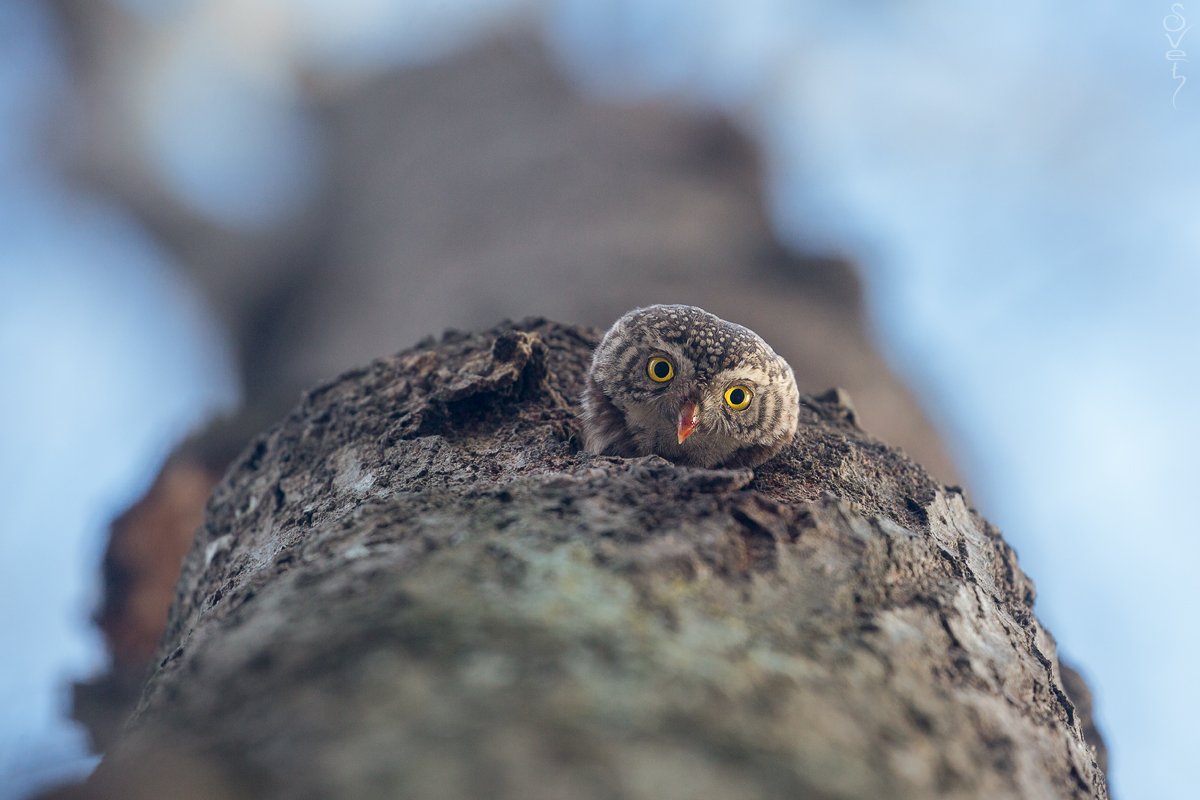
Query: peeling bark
(416,586)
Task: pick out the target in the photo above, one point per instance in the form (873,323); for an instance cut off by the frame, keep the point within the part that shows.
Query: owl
(684,384)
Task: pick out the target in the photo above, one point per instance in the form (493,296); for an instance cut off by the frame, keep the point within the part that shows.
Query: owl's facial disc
(683,384)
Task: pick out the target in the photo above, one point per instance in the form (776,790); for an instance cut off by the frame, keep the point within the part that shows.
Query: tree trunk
(416,586)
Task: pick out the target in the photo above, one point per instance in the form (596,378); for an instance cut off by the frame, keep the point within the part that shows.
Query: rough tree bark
(417,586)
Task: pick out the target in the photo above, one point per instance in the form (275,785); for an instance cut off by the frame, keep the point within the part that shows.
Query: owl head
(696,389)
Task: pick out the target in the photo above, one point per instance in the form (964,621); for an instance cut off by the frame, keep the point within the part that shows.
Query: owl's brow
(629,344)
(630,354)
(753,376)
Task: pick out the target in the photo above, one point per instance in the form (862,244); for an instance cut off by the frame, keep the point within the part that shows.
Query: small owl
(681,383)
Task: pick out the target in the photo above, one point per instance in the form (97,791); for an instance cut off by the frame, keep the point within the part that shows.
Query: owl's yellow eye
(738,397)
(660,370)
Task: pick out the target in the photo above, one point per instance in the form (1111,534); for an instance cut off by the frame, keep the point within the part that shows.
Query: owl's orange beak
(689,417)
